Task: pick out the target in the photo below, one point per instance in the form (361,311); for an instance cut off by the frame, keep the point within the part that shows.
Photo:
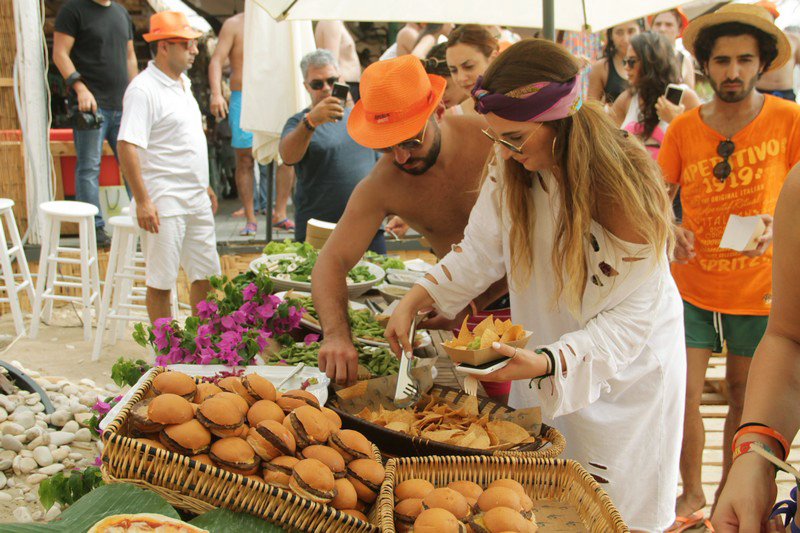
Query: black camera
(85,120)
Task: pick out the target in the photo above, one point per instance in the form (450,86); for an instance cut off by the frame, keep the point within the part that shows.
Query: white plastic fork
(406,393)
(470,385)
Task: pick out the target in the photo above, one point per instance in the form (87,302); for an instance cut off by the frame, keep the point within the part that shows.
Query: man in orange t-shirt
(729,157)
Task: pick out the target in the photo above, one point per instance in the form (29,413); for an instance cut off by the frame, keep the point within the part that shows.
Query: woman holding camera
(643,109)
(576,215)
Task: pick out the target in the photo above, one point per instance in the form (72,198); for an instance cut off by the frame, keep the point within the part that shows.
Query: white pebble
(83,435)
(37,516)
(10,442)
(80,408)
(3,414)
(53,512)
(112,387)
(5,464)
(27,465)
(3,480)
(38,408)
(51,387)
(35,443)
(33,479)
(88,382)
(26,453)
(43,456)
(60,454)
(15,465)
(52,469)
(60,438)
(22,515)
(31,497)
(75,456)
(83,418)
(7,455)
(25,419)
(5,497)
(60,417)
(71,426)
(69,390)
(12,428)
(11,482)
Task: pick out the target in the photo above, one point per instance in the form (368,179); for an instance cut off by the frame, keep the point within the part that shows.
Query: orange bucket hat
(170,25)
(397,97)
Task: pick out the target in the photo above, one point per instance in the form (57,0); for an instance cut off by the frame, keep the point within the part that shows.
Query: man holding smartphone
(729,156)
(327,162)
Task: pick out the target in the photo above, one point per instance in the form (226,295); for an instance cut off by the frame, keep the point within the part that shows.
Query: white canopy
(569,14)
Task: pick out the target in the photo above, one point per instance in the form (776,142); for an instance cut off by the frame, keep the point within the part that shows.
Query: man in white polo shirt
(164,157)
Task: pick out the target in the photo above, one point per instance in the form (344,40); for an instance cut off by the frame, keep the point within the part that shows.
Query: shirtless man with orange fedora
(429,176)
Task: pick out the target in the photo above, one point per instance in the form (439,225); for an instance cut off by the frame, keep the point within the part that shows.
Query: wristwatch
(72,78)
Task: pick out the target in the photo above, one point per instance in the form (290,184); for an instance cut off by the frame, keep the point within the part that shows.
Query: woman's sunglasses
(629,62)
(723,169)
(410,144)
(319,84)
(506,144)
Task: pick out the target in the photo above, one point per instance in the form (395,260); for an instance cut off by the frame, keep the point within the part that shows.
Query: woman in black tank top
(607,81)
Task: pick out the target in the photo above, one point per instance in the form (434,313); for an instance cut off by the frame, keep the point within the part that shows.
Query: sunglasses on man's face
(514,148)
(184,43)
(319,84)
(629,62)
(723,169)
(410,144)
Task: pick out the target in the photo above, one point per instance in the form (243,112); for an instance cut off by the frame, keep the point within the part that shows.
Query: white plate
(273,373)
(404,278)
(417,265)
(354,290)
(385,290)
(424,337)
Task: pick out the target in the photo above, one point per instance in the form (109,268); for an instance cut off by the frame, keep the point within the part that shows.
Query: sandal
(249,230)
(284,224)
(682,523)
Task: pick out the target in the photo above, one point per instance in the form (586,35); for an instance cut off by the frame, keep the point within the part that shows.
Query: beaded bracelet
(551,367)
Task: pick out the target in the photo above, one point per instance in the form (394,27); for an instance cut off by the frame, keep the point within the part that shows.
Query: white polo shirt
(161,117)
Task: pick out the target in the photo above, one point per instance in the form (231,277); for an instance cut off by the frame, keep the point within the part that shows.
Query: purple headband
(541,101)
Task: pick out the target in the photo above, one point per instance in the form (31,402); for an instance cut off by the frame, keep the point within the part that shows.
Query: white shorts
(186,241)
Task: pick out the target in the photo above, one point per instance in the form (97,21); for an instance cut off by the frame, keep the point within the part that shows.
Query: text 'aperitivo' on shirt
(765,150)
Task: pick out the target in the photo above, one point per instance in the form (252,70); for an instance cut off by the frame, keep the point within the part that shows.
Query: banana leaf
(225,521)
(117,498)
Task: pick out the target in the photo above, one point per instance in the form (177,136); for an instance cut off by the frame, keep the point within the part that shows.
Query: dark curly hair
(657,69)
(435,62)
(707,37)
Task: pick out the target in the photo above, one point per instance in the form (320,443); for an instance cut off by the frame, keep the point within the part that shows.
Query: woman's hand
(744,511)
(524,364)
(396,331)
(666,110)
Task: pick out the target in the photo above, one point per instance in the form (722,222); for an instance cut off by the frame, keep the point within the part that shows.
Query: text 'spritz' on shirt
(718,279)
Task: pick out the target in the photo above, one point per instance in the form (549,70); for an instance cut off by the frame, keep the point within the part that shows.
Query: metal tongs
(407,393)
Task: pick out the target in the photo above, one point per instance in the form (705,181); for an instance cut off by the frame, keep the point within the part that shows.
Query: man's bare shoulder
(469,123)
(233,25)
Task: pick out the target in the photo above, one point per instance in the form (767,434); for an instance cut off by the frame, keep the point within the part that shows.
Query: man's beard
(733,97)
(428,160)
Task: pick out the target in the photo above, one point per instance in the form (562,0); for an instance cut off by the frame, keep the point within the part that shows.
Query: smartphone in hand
(340,91)
(674,93)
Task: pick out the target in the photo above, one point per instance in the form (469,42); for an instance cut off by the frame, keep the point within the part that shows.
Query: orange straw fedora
(397,97)
(681,14)
(170,25)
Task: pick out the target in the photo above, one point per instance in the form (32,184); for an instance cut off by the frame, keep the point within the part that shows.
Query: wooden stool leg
(52,266)
(86,282)
(41,278)
(108,290)
(22,261)
(11,287)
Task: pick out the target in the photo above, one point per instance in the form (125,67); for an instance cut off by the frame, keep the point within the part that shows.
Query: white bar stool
(6,254)
(125,286)
(49,279)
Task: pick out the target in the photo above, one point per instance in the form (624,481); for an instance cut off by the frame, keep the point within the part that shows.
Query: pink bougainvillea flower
(249,291)
(310,338)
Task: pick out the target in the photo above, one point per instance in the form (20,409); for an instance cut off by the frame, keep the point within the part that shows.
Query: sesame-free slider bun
(366,475)
(189,438)
(170,408)
(444,498)
(270,439)
(335,420)
(438,521)
(308,426)
(346,497)
(405,512)
(292,399)
(326,455)
(140,419)
(219,413)
(499,496)
(259,387)
(235,455)
(413,488)
(313,480)
(237,400)
(468,489)
(278,471)
(264,410)
(175,383)
(205,391)
(501,520)
(351,444)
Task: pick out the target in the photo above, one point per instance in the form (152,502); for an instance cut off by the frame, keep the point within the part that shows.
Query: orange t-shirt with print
(765,150)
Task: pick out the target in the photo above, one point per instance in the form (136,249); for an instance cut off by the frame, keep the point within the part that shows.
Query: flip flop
(682,523)
(709,527)
(249,230)
(284,224)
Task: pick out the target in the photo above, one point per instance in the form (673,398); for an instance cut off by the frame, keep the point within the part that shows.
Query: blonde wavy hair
(600,168)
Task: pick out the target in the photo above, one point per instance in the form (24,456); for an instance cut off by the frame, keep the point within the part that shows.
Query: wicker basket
(198,488)
(396,444)
(560,485)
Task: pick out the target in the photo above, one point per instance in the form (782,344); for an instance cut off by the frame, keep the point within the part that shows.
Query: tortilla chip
(488,337)
(353,392)
(464,334)
(500,326)
(470,406)
(515,333)
(485,324)
(508,431)
(441,435)
(402,427)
